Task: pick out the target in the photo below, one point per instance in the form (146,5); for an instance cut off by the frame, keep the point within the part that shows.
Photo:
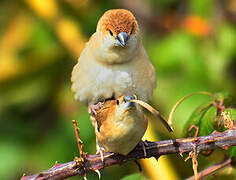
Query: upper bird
(114,61)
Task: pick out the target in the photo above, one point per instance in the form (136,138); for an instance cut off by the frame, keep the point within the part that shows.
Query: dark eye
(111,33)
(117,102)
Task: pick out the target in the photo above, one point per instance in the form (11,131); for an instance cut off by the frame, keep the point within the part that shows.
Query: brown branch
(213,169)
(79,142)
(153,149)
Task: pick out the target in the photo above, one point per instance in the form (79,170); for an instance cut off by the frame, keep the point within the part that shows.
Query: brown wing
(102,113)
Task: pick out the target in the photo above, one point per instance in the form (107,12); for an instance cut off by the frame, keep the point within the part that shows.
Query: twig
(185,145)
(79,142)
(212,169)
(170,118)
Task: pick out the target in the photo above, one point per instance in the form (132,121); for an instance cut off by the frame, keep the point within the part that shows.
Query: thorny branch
(153,149)
(79,142)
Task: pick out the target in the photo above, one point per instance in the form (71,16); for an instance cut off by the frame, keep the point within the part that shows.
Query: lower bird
(119,125)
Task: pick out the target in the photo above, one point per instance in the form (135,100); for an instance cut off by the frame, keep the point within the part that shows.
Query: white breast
(93,81)
(102,83)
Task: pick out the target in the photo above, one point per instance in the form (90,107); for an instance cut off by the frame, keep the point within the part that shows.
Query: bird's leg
(143,144)
(99,147)
(100,150)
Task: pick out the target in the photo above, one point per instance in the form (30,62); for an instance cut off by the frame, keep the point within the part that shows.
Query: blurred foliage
(191,44)
(134,177)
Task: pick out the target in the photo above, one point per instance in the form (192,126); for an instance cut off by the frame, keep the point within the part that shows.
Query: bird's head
(120,110)
(118,35)
(126,108)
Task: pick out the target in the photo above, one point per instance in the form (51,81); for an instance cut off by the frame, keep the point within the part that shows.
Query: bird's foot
(100,151)
(95,107)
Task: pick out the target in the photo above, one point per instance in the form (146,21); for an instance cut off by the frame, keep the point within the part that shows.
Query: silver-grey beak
(122,39)
(128,98)
(129,105)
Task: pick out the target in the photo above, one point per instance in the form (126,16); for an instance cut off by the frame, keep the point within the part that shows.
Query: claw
(100,151)
(98,173)
(143,143)
(101,155)
(94,108)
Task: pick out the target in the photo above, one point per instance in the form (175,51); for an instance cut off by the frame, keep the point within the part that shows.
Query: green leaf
(196,117)
(170,118)
(204,116)
(134,177)
(207,123)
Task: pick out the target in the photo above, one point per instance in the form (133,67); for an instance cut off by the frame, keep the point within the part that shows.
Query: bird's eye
(117,102)
(111,33)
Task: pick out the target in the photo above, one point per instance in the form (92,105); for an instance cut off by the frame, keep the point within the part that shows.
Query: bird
(120,125)
(113,62)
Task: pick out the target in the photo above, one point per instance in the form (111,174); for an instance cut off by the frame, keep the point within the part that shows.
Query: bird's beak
(122,39)
(129,104)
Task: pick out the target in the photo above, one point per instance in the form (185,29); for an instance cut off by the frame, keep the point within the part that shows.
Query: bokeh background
(192,44)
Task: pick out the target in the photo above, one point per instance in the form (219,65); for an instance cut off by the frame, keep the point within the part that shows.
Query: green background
(192,45)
